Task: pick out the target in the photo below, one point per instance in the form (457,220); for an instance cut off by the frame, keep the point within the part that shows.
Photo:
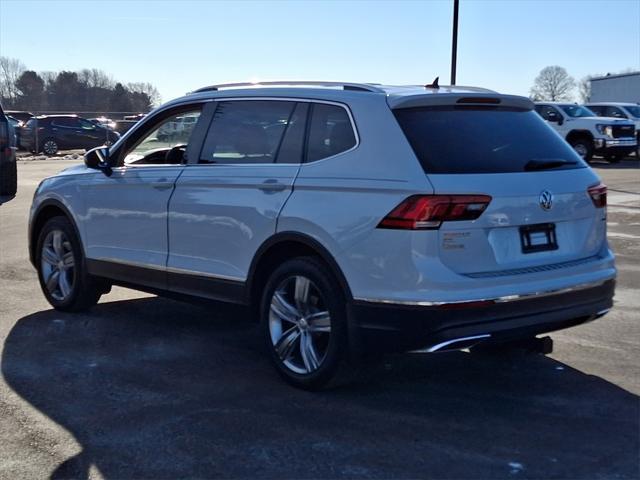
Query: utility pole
(454,42)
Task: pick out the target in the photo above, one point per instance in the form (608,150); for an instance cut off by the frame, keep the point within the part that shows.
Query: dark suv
(8,169)
(50,133)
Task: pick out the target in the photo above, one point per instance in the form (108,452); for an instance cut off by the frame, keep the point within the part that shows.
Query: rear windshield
(454,139)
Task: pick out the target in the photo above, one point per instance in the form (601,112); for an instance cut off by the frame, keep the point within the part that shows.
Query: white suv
(589,134)
(353,218)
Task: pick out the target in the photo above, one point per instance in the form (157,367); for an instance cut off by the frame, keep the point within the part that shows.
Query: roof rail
(361,87)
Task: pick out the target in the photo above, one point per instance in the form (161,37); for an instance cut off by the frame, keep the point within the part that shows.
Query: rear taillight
(422,212)
(598,194)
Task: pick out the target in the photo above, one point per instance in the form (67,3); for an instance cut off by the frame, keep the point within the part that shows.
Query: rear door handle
(272,185)
(162,184)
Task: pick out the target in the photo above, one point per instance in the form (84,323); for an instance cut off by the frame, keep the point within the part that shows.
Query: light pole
(454,42)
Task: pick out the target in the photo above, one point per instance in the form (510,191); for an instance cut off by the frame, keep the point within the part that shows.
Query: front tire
(304,324)
(583,147)
(62,268)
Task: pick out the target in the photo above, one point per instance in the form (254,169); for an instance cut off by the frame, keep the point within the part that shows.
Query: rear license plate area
(538,238)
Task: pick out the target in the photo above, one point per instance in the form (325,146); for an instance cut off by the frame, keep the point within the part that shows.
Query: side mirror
(98,159)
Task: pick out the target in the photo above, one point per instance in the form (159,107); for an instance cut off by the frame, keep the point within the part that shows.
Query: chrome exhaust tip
(454,344)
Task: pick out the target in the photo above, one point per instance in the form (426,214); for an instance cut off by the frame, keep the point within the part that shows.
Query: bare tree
(553,84)
(584,88)
(148,89)
(10,71)
(96,78)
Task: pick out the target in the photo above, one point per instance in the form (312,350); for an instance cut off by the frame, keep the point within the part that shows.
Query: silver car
(351,217)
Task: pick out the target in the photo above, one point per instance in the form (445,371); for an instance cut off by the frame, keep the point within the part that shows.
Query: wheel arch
(46,210)
(574,134)
(283,246)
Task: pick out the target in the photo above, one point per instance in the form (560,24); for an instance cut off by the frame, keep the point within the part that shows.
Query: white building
(624,87)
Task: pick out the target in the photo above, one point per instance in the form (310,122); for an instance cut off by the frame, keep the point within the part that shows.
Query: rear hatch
(540,215)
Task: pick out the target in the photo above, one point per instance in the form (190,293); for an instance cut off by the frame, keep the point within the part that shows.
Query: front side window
(86,125)
(249,131)
(576,111)
(330,132)
(598,110)
(167,140)
(633,110)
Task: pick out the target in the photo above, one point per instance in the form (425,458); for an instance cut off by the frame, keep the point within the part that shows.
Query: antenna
(433,84)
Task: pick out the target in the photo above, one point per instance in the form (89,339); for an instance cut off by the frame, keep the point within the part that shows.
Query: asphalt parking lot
(145,387)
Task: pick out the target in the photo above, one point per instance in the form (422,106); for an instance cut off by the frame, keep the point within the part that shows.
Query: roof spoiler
(460,99)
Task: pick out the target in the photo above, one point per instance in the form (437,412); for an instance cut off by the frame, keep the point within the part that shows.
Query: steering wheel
(175,155)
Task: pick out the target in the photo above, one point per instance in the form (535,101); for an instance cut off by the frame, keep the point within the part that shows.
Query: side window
(598,110)
(166,142)
(330,132)
(615,112)
(86,125)
(548,112)
(67,122)
(248,131)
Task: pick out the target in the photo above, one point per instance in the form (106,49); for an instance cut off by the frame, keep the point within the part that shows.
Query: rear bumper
(397,327)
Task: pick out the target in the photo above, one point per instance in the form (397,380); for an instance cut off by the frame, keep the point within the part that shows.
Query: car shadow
(626,163)
(152,388)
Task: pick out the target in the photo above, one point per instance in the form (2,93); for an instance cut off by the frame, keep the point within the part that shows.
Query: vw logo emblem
(546,200)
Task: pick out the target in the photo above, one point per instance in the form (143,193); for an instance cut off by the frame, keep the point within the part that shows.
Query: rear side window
(330,132)
(66,122)
(597,109)
(247,131)
(482,140)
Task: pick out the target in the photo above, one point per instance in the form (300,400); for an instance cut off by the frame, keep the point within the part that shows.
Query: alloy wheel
(299,324)
(50,147)
(57,265)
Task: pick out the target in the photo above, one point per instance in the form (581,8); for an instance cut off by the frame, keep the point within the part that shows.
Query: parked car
(589,134)
(8,167)
(16,125)
(50,133)
(104,122)
(21,115)
(629,111)
(123,126)
(180,129)
(372,218)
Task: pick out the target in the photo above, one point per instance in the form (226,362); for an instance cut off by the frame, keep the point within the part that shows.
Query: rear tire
(583,147)
(9,179)
(304,325)
(50,146)
(62,268)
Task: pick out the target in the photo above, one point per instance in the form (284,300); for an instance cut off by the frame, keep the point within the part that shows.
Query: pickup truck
(588,134)
(630,111)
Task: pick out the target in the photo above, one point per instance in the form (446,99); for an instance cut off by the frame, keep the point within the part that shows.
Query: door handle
(162,184)
(272,185)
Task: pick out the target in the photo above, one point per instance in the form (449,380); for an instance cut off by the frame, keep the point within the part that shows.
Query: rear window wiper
(547,164)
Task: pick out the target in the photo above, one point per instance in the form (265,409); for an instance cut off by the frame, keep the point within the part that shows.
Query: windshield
(633,110)
(483,140)
(577,111)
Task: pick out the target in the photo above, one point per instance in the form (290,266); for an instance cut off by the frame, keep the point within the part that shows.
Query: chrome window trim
(502,299)
(354,128)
